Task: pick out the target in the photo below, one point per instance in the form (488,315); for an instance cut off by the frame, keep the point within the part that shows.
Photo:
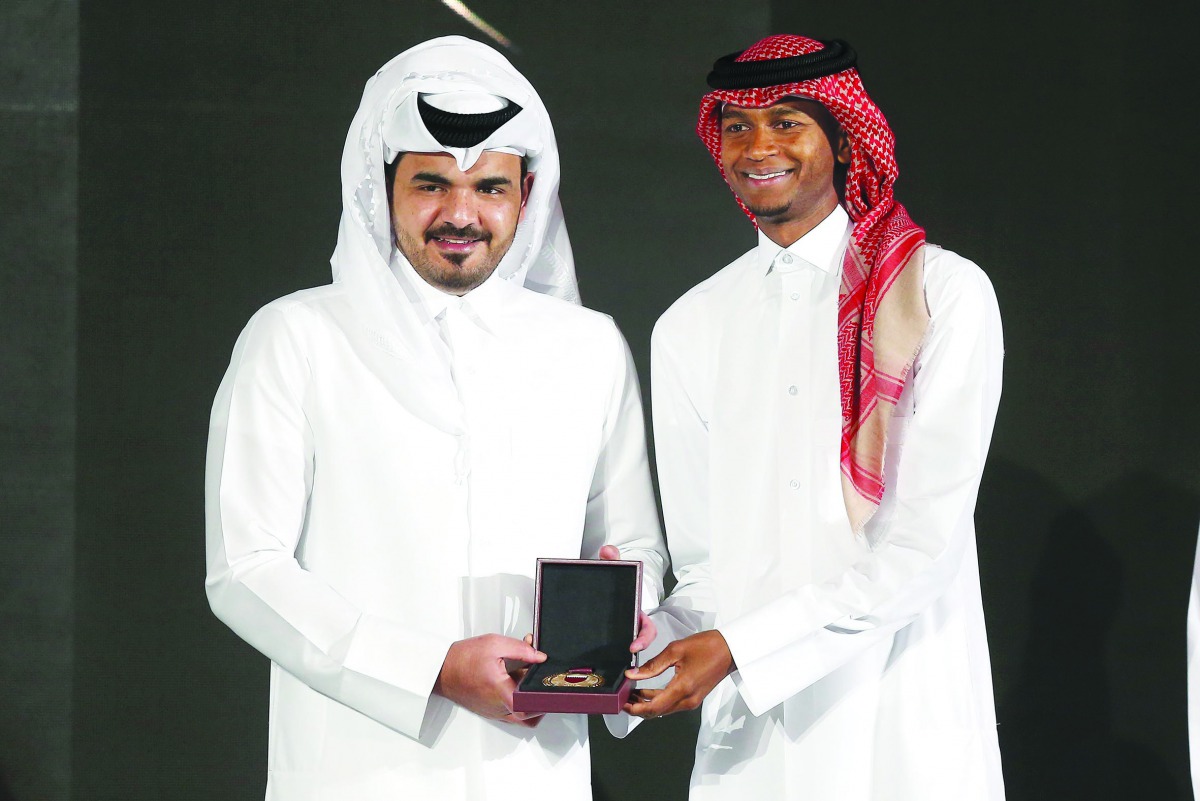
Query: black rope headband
(729,74)
(463,130)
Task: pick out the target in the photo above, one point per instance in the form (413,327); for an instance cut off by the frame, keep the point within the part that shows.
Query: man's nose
(460,209)
(762,143)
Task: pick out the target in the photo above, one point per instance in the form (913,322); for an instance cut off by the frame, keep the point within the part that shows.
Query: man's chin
(455,277)
(459,283)
(765,212)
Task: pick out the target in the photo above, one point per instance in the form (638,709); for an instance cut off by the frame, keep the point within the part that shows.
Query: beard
(448,271)
(769,212)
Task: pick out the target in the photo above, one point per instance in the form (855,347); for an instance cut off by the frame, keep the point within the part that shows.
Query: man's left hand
(700,662)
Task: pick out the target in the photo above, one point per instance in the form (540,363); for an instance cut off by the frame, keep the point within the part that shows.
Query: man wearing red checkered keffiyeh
(822,412)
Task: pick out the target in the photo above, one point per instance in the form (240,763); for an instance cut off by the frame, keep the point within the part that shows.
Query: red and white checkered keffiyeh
(882,317)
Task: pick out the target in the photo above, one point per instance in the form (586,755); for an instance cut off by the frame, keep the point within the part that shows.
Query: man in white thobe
(390,454)
(822,412)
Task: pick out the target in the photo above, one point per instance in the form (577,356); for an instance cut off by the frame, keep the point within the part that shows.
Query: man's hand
(700,662)
(646,629)
(474,676)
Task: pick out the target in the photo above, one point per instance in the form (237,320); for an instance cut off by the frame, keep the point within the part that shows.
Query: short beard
(454,281)
(770,213)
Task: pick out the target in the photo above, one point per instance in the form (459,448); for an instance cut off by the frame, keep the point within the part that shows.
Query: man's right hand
(474,676)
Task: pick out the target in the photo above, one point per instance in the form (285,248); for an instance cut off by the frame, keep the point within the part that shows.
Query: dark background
(169,168)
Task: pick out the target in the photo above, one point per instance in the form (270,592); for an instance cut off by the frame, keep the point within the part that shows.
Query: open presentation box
(585,617)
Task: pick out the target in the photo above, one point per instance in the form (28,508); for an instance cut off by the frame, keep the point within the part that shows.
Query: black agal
(730,74)
(463,130)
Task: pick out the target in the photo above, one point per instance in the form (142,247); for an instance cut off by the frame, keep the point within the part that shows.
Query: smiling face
(780,161)
(454,227)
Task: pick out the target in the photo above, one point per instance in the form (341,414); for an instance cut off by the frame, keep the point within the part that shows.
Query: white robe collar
(822,247)
(484,305)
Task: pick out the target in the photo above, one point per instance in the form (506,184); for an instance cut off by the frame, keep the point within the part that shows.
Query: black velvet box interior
(586,614)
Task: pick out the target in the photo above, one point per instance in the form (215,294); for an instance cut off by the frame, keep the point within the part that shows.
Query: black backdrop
(1050,143)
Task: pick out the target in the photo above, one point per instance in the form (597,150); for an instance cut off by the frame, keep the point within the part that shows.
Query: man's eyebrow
(783,109)
(492,182)
(431,178)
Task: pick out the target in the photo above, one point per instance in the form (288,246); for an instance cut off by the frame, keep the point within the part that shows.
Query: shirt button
(787,258)
(792,390)
(794,484)
(795,296)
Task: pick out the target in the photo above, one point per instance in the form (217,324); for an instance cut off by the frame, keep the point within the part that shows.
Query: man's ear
(526,188)
(843,148)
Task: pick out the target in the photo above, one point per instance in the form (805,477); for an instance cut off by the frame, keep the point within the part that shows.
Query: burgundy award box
(585,617)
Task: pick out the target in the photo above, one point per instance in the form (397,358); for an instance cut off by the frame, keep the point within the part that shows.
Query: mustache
(448,231)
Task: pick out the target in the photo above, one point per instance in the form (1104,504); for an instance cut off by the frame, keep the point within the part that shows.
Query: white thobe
(352,543)
(862,663)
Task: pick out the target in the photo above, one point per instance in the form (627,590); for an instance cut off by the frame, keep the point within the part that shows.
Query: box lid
(587,609)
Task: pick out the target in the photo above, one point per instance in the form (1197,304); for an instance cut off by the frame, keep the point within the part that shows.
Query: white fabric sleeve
(259,475)
(621,509)
(786,645)
(681,438)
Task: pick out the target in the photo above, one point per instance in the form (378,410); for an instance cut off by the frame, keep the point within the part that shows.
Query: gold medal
(575,677)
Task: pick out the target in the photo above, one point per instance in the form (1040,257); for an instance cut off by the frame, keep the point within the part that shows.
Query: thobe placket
(459,353)
(795,286)
(467,342)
